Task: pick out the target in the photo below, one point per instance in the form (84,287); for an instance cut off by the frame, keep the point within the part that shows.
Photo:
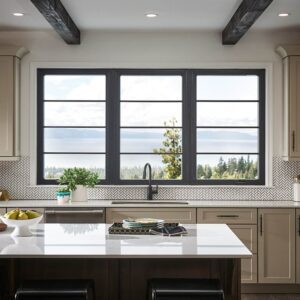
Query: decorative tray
(117,228)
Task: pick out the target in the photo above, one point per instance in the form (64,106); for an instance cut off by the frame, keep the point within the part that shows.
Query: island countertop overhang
(93,241)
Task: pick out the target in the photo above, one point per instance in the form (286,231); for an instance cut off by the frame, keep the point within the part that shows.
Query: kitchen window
(193,126)
(72,122)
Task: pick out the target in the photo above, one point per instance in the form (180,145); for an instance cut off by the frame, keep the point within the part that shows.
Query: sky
(152,88)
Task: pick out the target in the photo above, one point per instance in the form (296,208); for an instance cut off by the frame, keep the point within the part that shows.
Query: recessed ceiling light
(283,14)
(18,14)
(151,15)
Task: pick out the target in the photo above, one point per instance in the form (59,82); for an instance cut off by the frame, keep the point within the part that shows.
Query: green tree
(171,150)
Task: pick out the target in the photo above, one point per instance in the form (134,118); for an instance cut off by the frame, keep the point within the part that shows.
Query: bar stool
(185,289)
(56,290)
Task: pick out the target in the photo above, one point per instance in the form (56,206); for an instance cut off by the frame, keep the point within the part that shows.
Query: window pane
(214,87)
(56,163)
(75,87)
(151,140)
(151,88)
(227,167)
(227,114)
(74,140)
(150,114)
(163,167)
(74,114)
(227,140)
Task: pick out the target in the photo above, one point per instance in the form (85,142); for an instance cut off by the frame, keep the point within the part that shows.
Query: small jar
(63,197)
(297,188)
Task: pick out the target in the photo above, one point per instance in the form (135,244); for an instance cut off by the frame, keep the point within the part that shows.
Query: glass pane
(151,140)
(74,114)
(227,114)
(75,87)
(227,167)
(227,140)
(163,166)
(214,87)
(151,88)
(150,114)
(56,163)
(74,140)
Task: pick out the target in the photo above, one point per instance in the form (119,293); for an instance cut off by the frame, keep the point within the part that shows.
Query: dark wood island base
(120,279)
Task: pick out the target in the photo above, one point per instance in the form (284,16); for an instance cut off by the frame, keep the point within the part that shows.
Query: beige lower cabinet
(180,215)
(243,222)
(276,245)
(297,245)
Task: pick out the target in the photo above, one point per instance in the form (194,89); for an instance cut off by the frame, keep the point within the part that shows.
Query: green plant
(78,176)
(63,190)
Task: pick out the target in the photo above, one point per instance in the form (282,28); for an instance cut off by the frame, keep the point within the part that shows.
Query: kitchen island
(121,265)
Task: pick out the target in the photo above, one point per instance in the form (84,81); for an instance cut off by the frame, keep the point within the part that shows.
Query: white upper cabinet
(9,101)
(291,82)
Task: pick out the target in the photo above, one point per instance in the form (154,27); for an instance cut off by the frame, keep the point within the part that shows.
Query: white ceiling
(129,14)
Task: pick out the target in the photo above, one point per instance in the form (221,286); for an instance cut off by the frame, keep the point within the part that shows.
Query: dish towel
(169,231)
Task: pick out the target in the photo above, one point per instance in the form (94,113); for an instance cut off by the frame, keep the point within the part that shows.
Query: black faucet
(151,190)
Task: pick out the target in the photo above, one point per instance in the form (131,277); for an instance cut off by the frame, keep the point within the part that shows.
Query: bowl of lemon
(21,220)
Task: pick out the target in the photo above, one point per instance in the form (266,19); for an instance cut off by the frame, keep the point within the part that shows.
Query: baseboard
(270,288)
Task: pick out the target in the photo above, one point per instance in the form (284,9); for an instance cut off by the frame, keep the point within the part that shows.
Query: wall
(149,50)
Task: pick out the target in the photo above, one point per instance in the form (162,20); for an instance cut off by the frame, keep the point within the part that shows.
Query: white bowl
(21,226)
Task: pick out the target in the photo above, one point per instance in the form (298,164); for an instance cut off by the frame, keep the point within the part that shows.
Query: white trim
(268,66)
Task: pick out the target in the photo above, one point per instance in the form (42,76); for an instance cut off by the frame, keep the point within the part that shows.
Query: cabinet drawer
(180,215)
(247,234)
(249,269)
(227,215)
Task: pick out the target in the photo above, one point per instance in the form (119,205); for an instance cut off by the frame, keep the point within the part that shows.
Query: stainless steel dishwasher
(74,215)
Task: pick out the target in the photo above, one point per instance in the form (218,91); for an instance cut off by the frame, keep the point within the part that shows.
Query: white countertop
(93,240)
(154,204)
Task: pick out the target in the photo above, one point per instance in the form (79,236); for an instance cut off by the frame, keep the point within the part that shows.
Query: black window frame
(189,125)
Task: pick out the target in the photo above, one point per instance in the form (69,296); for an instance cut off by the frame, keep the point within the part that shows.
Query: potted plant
(63,195)
(77,180)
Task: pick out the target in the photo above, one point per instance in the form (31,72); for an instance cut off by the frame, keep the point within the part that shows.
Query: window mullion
(113,128)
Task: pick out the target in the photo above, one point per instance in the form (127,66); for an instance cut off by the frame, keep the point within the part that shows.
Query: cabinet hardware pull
(228,216)
(53,212)
(261,224)
(293,140)
(299,225)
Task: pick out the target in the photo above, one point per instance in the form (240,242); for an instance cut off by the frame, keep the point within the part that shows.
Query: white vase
(297,191)
(80,194)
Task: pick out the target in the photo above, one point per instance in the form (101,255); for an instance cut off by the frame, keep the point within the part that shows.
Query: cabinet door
(6,106)
(294,106)
(298,246)
(248,235)
(276,246)
(180,215)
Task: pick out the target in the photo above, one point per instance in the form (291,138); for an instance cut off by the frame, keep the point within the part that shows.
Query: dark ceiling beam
(56,14)
(244,17)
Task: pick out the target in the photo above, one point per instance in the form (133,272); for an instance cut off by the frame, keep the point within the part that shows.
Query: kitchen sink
(149,202)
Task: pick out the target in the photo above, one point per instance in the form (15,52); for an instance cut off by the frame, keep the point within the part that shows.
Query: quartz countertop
(152,204)
(93,240)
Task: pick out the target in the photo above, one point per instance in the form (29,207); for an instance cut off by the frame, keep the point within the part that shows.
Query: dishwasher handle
(66,212)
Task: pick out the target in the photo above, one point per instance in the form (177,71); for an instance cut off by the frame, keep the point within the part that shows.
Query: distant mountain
(56,133)
(60,133)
